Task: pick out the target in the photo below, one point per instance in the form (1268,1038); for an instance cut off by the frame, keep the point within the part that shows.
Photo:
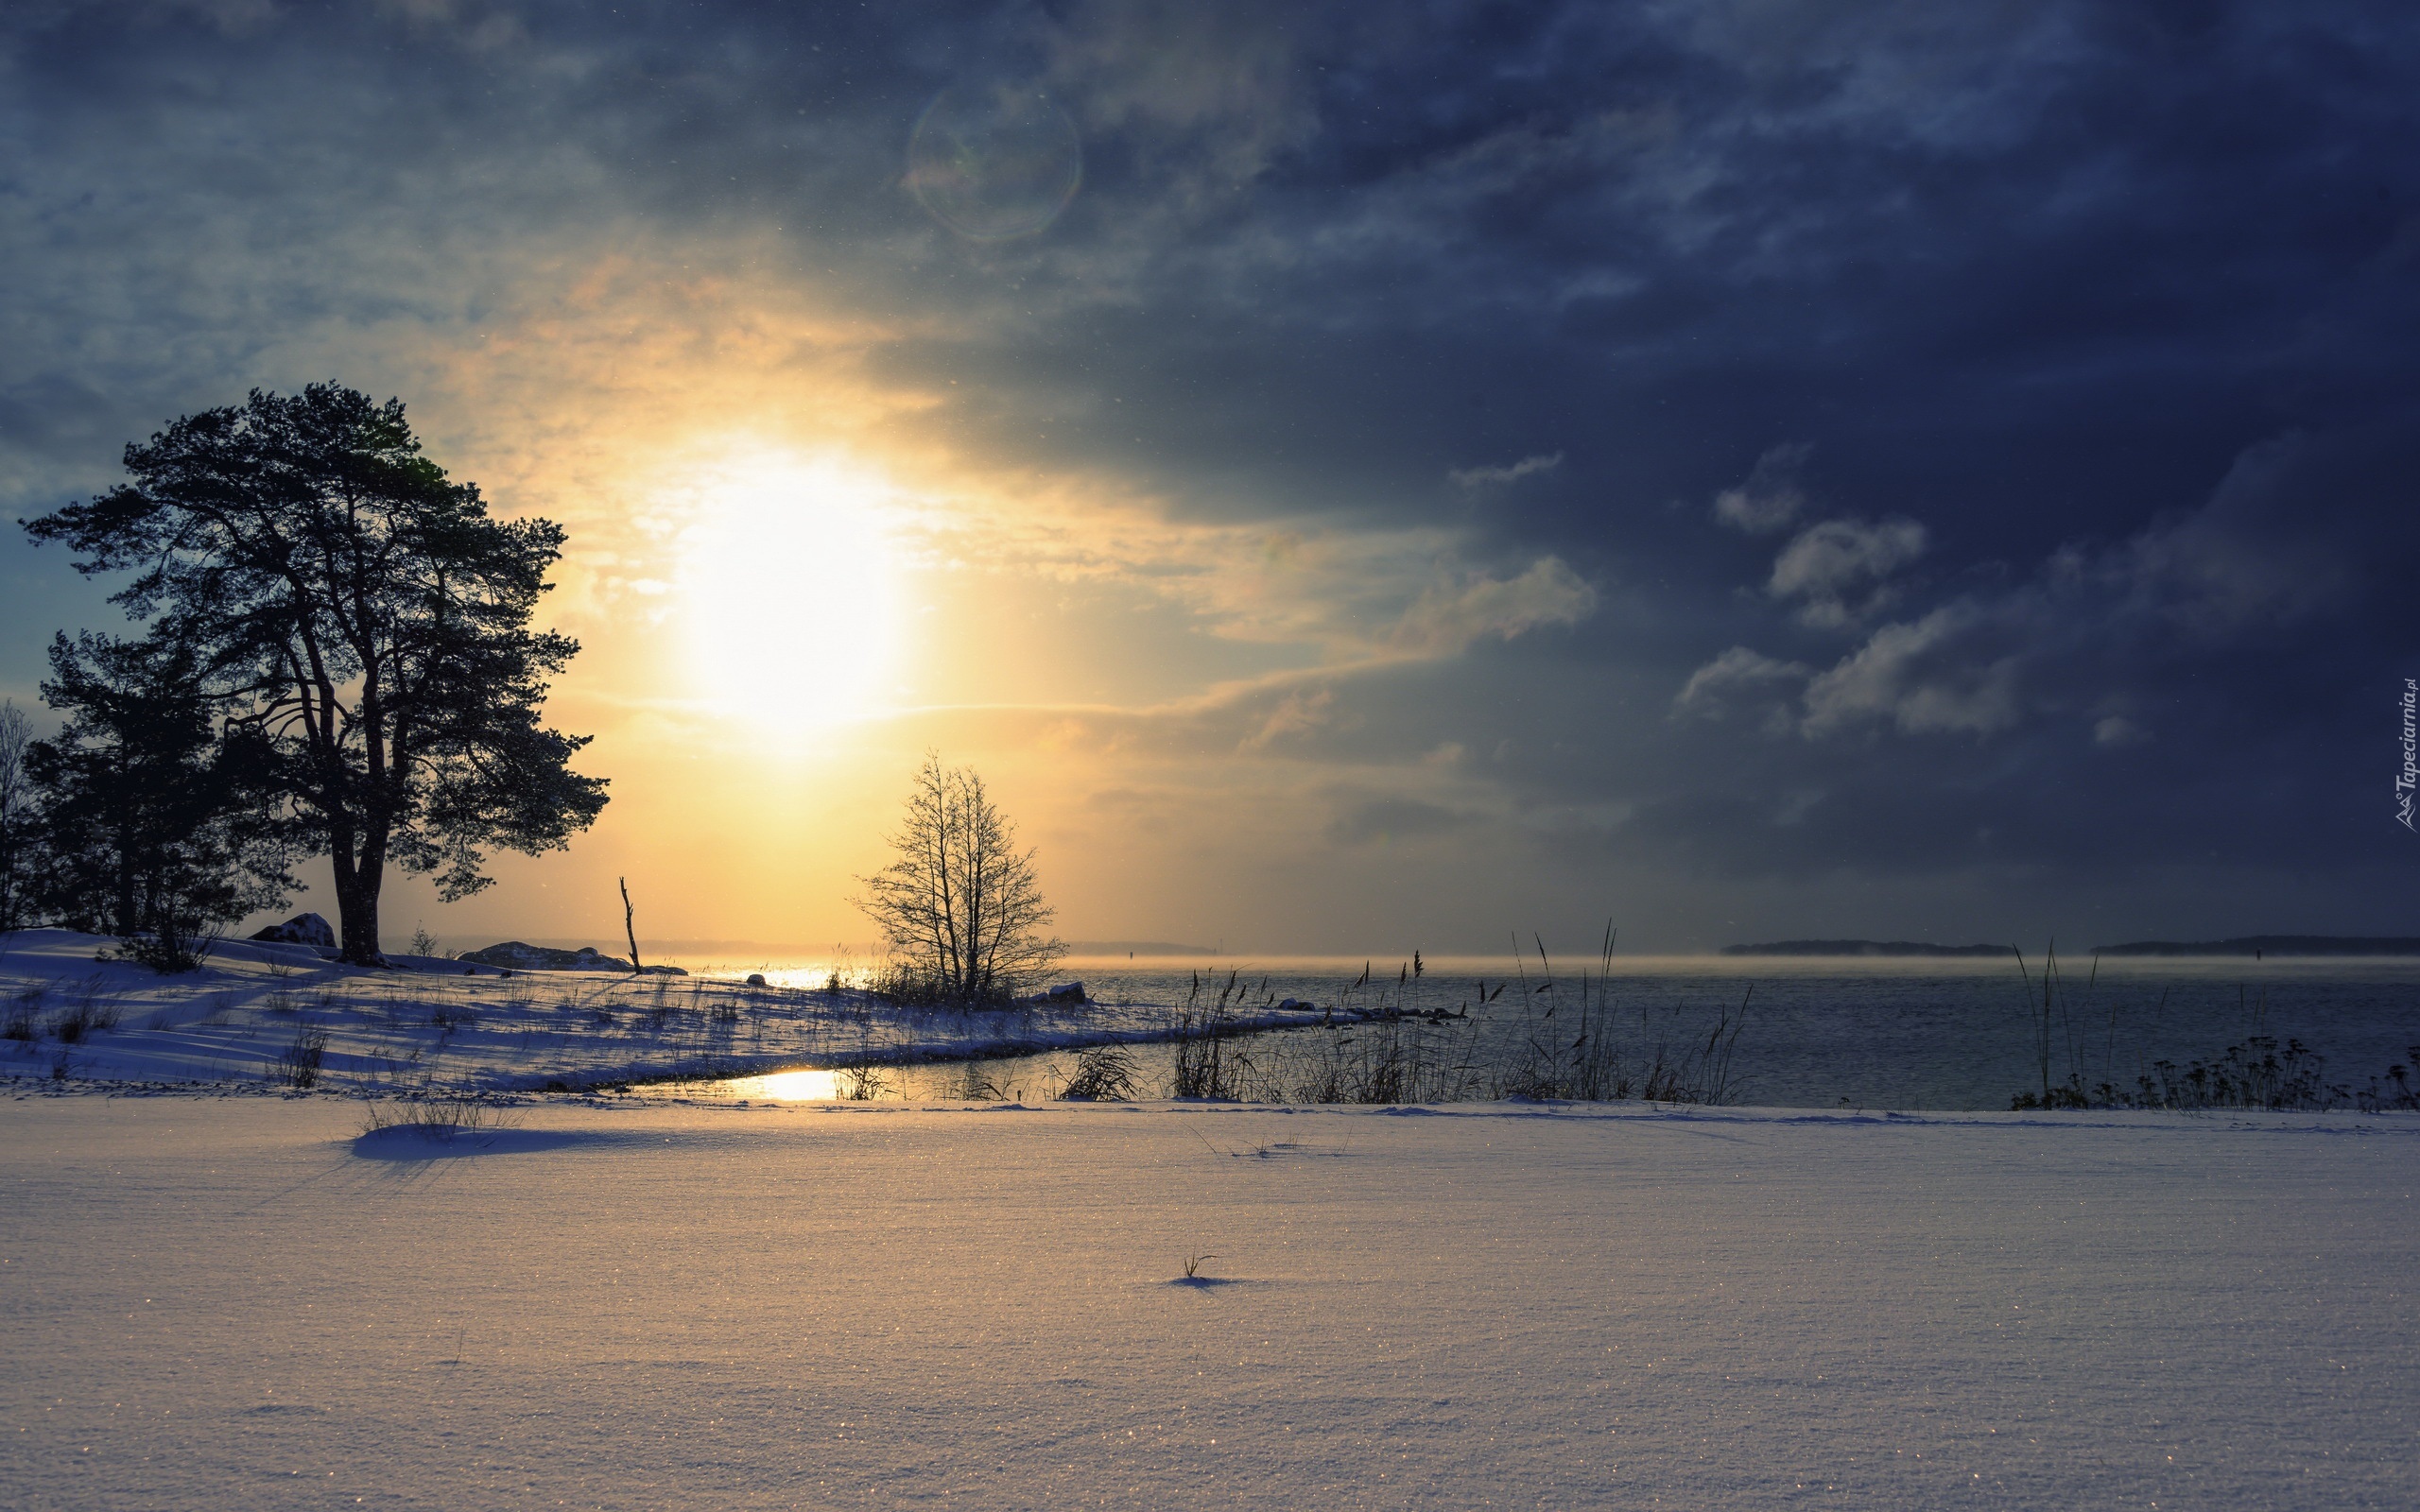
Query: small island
(1867,947)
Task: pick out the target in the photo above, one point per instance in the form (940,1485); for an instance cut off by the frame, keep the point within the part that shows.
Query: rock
(1068,994)
(303,929)
(756,979)
(516,956)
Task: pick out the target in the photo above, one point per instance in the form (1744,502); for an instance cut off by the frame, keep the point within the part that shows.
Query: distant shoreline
(2271,945)
(2254,945)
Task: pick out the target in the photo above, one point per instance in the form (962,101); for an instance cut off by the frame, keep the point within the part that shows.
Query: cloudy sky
(1351,476)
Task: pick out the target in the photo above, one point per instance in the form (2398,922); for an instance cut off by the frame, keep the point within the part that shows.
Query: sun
(790,582)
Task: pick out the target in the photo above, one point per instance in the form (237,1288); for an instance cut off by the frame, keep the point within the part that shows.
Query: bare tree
(961,909)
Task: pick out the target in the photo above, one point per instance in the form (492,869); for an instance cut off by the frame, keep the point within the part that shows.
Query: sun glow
(792,593)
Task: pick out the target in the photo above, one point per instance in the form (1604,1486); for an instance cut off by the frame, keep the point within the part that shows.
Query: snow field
(247,1303)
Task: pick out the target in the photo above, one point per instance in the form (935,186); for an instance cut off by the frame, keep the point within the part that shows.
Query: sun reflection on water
(788,1087)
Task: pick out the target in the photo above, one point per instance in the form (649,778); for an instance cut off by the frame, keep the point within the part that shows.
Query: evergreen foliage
(155,827)
(361,617)
(18,820)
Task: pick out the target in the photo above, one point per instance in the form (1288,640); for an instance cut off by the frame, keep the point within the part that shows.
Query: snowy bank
(257,1011)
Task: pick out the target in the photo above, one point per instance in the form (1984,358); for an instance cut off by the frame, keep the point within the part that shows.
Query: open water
(1855,1032)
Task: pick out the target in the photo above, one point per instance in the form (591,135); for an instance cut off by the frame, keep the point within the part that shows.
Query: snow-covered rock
(523,957)
(513,954)
(284,953)
(303,929)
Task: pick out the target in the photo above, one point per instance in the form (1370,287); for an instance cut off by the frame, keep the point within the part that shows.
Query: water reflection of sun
(792,598)
(790,1086)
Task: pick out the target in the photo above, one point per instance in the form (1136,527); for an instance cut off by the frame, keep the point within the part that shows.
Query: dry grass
(298,1066)
(1104,1073)
(434,1118)
(22,1023)
(95,1010)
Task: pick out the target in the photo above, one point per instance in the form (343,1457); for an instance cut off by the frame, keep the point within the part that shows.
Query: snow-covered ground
(246,1302)
(441,1025)
(212,1300)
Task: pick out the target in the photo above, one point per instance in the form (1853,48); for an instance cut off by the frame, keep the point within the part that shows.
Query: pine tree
(153,827)
(363,616)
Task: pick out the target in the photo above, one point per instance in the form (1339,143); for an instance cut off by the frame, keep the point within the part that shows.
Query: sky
(1350,477)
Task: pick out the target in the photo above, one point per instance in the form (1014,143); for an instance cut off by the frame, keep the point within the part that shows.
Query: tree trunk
(357,886)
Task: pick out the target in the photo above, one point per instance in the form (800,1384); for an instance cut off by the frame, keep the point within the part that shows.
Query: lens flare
(994,161)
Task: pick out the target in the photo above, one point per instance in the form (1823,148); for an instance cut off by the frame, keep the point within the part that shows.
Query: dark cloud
(1378,820)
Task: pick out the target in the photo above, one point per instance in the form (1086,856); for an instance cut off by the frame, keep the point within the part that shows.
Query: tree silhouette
(18,819)
(961,909)
(152,827)
(364,616)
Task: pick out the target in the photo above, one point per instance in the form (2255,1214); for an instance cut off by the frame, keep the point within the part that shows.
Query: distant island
(1133,947)
(1865,947)
(2271,945)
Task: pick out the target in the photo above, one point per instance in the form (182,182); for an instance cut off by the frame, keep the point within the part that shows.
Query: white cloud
(1481,477)
(1450,616)
(1837,567)
(2245,559)
(1302,711)
(2067,642)
(1710,687)
(1771,498)
(1922,676)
